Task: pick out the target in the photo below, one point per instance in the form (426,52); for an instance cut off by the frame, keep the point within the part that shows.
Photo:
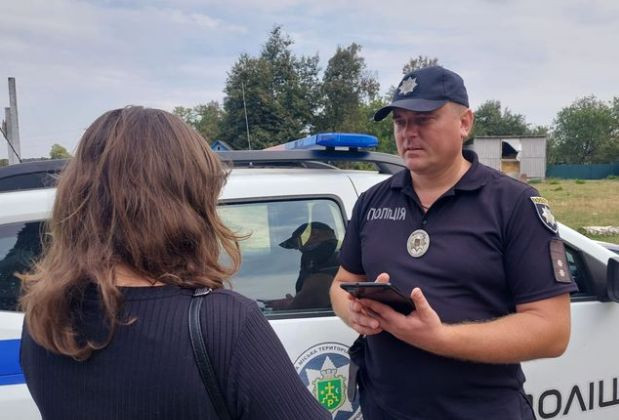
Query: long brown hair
(141,192)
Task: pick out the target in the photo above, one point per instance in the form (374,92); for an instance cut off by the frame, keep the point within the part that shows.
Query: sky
(74,60)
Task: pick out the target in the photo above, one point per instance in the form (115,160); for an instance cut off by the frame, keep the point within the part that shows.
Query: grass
(578,203)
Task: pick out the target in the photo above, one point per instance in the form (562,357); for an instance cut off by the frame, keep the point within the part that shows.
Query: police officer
(480,256)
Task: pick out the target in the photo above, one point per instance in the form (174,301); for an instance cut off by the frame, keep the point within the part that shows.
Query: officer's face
(430,142)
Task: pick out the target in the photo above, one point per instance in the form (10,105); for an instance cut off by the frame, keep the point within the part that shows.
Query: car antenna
(245,109)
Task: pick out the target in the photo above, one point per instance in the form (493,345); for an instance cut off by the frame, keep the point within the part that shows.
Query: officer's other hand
(421,328)
(361,319)
(382,278)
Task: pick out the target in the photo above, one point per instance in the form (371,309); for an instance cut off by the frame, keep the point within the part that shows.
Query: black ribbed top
(148,370)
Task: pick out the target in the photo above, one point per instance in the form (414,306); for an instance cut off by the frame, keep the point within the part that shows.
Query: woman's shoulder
(232,297)
(230,304)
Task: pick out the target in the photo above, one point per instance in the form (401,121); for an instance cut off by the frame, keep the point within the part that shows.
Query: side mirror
(612,282)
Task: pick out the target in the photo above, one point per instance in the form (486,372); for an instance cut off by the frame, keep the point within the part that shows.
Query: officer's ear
(466,122)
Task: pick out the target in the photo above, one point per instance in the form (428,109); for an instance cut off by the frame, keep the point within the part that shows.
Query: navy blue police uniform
(488,248)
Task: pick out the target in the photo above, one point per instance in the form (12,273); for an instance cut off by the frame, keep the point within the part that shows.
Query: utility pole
(5,132)
(11,125)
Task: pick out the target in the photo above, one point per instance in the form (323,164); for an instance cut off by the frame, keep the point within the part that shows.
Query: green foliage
(4,162)
(205,119)
(418,63)
(538,130)
(491,121)
(281,95)
(286,99)
(346,86)
(579,181)
(383,130)
(586,132)
(59,152)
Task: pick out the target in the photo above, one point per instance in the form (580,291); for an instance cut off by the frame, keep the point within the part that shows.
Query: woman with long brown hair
(134,230)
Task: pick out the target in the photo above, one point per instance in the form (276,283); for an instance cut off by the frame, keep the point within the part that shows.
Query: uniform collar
(474,178)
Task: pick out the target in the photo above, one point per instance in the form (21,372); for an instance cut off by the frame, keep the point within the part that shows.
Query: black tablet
(382,292)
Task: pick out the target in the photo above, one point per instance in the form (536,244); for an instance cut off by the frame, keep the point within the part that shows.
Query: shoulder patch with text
(542,207)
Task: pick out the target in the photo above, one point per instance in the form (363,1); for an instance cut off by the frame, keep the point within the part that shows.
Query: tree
(346,86)
(205,119)
(614,112)
(585,132)
(4,162)
(491,121)
(280,91)
(383,130)
(59,152)
(418,63)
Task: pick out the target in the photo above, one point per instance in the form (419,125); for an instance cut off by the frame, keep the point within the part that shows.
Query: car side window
(579,272)
(290,255)
(20,245)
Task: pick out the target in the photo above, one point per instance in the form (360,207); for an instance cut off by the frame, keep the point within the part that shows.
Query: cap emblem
(407,86)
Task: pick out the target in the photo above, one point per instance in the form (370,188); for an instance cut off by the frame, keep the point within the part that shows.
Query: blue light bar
(318,141)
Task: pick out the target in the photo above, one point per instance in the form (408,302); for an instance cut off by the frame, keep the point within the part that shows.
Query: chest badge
(418,243)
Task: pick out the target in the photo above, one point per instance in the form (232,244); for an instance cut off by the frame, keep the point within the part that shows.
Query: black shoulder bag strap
(207,373)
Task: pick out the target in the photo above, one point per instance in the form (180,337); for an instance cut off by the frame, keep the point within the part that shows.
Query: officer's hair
(141,192)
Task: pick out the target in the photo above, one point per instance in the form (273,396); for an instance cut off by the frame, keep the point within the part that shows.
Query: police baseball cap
(425,90)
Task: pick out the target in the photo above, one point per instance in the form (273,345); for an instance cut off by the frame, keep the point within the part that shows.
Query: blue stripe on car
(10,370)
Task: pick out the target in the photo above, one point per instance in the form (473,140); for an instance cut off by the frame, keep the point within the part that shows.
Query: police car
(295,201)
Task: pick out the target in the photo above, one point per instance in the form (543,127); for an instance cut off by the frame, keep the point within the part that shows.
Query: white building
(520,157)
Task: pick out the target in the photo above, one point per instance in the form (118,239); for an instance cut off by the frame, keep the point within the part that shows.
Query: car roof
(43,174)
(243,184)
(256,180)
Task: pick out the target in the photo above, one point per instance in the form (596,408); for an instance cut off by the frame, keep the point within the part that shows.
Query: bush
(579,181)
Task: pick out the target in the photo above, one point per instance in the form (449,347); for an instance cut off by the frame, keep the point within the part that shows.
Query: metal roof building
(521,157)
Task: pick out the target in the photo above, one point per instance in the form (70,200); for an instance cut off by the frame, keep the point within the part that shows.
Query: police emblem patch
(418,243)
(323,369)
(542,207)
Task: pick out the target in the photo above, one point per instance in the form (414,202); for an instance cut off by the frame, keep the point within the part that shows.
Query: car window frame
(297,314)
(42,229)
(579,259)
